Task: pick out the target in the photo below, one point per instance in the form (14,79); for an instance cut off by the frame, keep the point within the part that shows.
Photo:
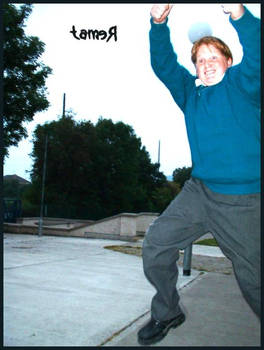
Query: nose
(207,63)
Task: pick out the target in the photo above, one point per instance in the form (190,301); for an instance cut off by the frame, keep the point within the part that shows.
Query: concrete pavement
(61,291)
(217,315)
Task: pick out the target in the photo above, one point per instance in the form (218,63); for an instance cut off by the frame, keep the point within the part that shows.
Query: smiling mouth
(209,73)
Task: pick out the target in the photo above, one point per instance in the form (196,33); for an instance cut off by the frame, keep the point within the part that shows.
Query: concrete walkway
(217,315)
(62,291)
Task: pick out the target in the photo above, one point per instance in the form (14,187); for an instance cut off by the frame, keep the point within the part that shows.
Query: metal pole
(159,153)
(187,260)
(63,108)
(43,188)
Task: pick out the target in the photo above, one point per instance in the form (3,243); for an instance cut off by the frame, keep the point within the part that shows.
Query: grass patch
(125,249)
(208,241)
(134,250)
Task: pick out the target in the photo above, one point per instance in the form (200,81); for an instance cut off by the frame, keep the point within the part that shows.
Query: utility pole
(63,108)
(43,187)
(159,154)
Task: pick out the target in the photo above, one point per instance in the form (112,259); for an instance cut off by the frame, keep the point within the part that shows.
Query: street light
(43,187)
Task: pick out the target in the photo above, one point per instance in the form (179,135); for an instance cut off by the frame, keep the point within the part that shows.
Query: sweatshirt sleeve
(247,73)
(164,62)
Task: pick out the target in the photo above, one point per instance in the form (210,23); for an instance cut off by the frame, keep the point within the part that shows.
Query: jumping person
(221,106)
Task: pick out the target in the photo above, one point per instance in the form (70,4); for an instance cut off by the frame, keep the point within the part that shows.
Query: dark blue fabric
(222,120)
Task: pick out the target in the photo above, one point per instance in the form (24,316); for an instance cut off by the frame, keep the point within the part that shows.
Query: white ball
(199,30)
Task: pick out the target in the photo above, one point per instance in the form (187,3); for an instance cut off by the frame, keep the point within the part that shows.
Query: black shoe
(155,330)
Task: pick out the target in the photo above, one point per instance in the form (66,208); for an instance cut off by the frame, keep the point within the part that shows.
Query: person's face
(211,64)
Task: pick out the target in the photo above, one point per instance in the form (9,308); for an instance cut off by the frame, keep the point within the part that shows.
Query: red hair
(211,40)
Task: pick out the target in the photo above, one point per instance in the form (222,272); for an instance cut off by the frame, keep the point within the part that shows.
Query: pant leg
(235,223)
(177,227)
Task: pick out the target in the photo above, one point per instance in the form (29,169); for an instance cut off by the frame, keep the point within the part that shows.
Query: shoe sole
(159,337)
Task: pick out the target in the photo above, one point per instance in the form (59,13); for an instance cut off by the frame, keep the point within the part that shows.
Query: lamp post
(43,187)
(159,154)
(63,106)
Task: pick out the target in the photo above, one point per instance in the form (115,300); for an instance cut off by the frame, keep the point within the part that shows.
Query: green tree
(24,75)
(13,189)
(93,170)
(180,175)
(128,179)
(70,178)
(165,194)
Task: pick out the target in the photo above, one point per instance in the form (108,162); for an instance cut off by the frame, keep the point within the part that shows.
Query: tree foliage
(180,175)
(165,194)
(13,189)
(24,75)
(95,170)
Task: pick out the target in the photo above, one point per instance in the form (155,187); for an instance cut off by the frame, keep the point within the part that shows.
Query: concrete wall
(27,221)
(110,225)
(125,226)
(143,222)
(46,230)
(128,225)
(59,222)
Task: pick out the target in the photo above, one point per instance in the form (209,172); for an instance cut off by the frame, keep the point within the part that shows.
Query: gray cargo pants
(234,221)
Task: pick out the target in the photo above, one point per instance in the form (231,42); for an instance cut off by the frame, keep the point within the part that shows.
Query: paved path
(217,315)
(72,292)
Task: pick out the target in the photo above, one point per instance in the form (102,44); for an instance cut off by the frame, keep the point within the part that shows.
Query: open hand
(159,12)
(236,10)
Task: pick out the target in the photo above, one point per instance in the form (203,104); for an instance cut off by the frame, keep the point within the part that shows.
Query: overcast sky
(114,79)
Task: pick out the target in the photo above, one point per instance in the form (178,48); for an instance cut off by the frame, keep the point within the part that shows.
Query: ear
(229,62)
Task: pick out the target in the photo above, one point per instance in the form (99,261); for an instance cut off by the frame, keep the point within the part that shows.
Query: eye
(201,60)
(214,58)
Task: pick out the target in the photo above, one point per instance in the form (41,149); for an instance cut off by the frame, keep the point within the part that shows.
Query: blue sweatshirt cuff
(242,20)
(158,26)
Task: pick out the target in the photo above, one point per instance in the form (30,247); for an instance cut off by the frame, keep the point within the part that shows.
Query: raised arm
(163,58)
(246,75)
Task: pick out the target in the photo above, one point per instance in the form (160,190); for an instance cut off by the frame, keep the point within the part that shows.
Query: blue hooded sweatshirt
(222,120)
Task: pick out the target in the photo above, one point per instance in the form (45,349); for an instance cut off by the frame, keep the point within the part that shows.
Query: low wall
(46,230)
(143,222)
(125,226)
(47,221)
